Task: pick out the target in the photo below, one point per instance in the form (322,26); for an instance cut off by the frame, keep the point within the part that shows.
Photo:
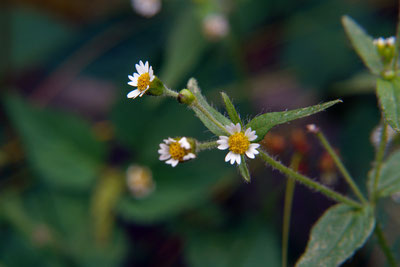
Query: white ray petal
(184,143)
(164,156)
(134,93)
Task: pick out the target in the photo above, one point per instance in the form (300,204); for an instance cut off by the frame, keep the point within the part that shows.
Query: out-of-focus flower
(396,197)
(41,235)
(176,150)
(215,26)
(328,169)
(376,135)
(146,8)
(299,141)
(141,79)
(274,143)
(238,143)
(382,42)
(140,181)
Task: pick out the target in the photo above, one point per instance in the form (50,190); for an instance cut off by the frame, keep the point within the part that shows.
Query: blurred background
(80,179)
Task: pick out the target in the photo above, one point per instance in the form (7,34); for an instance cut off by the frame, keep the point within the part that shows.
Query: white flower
(215,26)
(382,42)
(239,143)
(146,8)
(176,150)
(141,79)
(140,181)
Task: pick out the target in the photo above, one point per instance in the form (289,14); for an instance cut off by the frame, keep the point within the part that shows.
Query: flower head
(140,181)
(176,150)
(146,8)
(238,143)
(141,79)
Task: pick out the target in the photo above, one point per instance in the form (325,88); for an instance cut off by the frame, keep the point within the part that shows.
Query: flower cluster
(238,141)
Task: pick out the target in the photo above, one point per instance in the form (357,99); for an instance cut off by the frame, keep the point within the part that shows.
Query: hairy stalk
(287,210)
(380,153)
(206,145)
(384,245)
(308,181)
(170,93)
(197,105)
(325,143)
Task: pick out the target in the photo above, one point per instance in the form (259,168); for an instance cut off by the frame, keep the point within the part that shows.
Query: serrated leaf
(388,93)
(244,171)
(231,109)
(337,235)
(363,44)
(60,147)
(389,181)
(263,123)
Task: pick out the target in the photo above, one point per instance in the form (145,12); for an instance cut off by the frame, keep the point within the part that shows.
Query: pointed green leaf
(263,123)
(337,235)
(244,171)
(389,181)
(363,44)
(388,93)
(231,109)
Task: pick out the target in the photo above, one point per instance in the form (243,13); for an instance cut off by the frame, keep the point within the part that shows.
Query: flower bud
(186,97)
(140,181)
(386,48)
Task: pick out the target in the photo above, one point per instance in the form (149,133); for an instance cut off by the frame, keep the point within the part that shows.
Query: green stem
(196,104)
(170,93)
(380,153)
(340,166)
(384,245)
(287,210)
(308,181)
(206,145)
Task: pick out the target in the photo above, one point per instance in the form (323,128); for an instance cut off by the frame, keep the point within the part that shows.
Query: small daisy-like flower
(140,181)
(176,150)
(239,143)
(382,42)
(146,8)
(141,79)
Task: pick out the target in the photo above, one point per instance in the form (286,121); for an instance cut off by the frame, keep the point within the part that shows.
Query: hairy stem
(340,166)
(384,245)
(308,181)
(206,145)
(170,93)
(287,210)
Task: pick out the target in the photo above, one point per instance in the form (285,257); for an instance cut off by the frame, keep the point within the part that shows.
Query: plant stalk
(384,245)
(206,145)
(308,181)
(325,143)
(196,104)
(287,210)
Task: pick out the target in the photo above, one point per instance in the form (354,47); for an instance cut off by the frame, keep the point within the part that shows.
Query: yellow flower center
(238,143)
(143,81)
(177,152)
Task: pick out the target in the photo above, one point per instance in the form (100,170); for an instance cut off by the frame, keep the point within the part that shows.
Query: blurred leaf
(184,47)
(247,245)
(244,171)
(263,123)
(388,93)
(363,44)
(389,181)
(60,147)
(231,109)
(177,189)
(337,235)
(35,35)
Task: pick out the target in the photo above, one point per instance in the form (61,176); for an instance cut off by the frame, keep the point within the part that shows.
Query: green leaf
(388,93)
(231,109)
(263,123)
(195,89)
(363,44)
(337,235)
(61,148)
(185,46)
(244,171)
(389,181)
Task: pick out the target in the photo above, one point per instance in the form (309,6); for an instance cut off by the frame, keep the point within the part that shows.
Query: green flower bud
(186,97)
(156,87)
